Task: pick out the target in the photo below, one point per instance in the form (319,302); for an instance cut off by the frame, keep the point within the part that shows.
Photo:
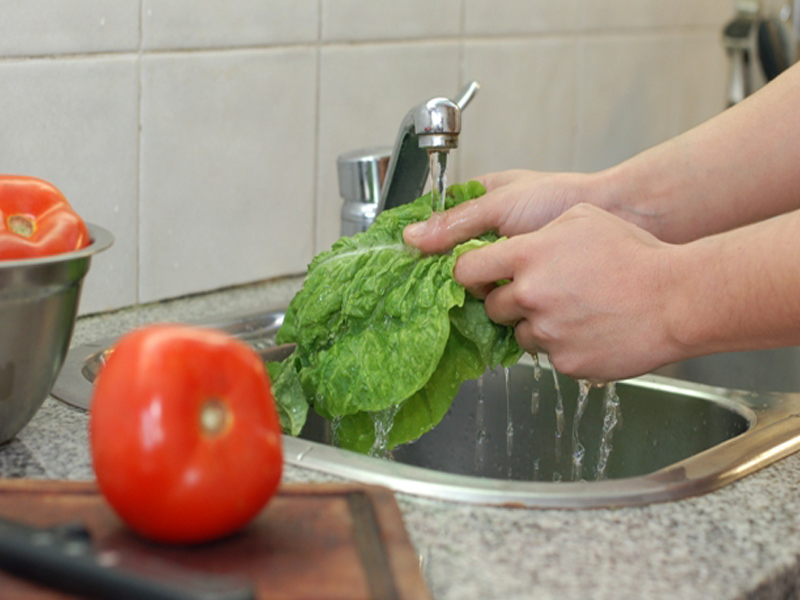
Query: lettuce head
(382,329)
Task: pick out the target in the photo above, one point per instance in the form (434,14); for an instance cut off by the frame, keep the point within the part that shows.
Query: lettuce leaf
(422,411)
(291,400)
(384,330)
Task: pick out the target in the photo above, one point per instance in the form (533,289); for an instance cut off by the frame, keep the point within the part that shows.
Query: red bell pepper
(37,220)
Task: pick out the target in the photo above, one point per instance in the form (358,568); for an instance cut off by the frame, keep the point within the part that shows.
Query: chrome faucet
(376,179)
(432,125)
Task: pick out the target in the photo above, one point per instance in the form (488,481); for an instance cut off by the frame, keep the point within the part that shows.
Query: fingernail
(416,230)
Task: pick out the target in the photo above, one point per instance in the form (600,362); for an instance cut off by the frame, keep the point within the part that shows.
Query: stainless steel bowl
(38,306)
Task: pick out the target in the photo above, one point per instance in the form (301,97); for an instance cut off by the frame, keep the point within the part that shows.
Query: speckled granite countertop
(742,541)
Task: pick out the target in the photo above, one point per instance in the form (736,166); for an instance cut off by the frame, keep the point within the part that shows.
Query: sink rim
(773,434)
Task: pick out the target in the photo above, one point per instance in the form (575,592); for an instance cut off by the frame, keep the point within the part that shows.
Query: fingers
(523,332)
(502,306)
(492,181)
(479,270)
(444,230)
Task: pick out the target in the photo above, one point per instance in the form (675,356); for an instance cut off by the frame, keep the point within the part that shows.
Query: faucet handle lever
(466,94)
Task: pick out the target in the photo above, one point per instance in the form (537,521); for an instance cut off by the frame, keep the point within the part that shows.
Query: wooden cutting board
(320,541)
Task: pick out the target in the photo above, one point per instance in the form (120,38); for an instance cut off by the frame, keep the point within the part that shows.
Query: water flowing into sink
(560,423)
(611,417)
(573,470)
(578,450)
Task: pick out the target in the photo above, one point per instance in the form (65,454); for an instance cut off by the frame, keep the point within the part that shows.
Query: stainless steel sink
(505,440)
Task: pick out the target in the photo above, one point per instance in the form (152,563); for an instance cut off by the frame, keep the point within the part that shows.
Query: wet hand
(589,289)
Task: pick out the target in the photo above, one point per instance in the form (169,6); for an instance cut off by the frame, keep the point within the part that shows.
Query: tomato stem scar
(21,225)
(215,417)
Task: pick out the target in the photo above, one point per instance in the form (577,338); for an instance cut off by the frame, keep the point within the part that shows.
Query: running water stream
(611,417)
(610,420)
(480,423)
(536,400)
(578,450)
(560,420)
(509,421)
(567,465)
(438,174)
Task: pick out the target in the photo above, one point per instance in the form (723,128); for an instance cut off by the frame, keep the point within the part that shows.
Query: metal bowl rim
(101,239)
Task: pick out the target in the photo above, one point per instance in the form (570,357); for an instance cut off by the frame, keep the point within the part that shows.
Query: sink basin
(774,370)
(513,438)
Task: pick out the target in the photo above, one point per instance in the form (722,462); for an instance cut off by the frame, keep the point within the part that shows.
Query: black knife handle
(63,557)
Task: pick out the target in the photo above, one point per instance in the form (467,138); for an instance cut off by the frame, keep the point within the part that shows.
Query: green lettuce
(384,334)
(290,398)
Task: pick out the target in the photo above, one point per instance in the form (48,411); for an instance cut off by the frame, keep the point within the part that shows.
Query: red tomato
(184,433)
(36,219)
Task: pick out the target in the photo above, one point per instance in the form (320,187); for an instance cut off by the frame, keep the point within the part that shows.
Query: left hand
(588,288)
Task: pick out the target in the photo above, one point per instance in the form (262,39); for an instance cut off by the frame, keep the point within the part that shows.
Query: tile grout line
(462,75)
(318,43)
(139,159)
(315,217)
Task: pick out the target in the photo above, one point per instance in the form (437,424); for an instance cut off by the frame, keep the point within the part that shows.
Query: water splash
(382,421)
(336,424)
(611,418)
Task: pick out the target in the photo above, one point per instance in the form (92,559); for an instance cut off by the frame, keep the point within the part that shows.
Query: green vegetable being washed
(384,334)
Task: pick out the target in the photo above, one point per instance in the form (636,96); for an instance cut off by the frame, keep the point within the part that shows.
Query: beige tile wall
(204,133)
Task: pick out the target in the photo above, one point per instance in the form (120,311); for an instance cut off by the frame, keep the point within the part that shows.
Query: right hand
(585,286)
(590,289)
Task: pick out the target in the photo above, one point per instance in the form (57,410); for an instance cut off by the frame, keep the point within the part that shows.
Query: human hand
(515,202)
(589,289)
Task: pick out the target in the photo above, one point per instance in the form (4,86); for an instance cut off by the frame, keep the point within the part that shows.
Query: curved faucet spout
(437,124)
(433,125)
